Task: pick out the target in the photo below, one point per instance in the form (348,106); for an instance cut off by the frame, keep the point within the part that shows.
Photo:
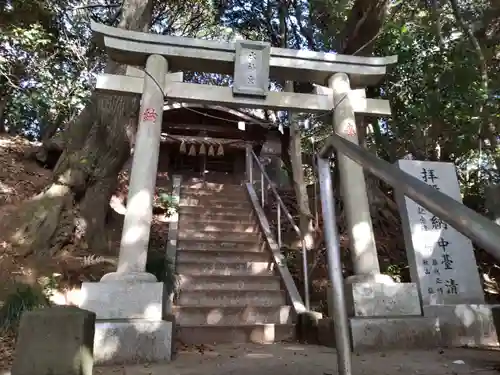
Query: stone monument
(442,262)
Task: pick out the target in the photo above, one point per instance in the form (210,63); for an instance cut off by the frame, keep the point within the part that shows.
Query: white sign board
(441,259)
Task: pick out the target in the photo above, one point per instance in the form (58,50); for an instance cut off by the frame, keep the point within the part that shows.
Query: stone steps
(198,244)
(210,216)
(228,290)
(225,256)
(201,195)
(226,298)
(228,269)
(214,191)
(219,226)
(206,185)
(208,205)
(238,204)
(229,211)
(234,315)
(242,237)
(231,196)
(223,334)
(214,282)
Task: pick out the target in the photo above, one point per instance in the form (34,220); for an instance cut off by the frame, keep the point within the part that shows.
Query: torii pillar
(139,214)
(129,302)
(367,292)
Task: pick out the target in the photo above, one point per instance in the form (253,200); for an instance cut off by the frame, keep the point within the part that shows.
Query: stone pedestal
(464,325)
(384,314)
(379,334)
(121,300)
(129,326)
(441,326)
(379,296)
(131,342)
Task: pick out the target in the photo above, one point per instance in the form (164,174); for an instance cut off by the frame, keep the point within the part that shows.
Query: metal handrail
(282,207)
(468,222)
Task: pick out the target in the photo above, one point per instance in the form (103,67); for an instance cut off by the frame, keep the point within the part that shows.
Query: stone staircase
(228,290)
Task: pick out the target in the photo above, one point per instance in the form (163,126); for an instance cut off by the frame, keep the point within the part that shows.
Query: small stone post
(138,217)
(353,185)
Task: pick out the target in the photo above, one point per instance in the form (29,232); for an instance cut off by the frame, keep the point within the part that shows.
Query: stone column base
(129,325)
(441,326)
(379,298)
(465,325)
(379,334)
(131,277)
(131,342)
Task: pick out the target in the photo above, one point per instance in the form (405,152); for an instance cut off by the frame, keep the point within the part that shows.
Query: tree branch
(491,132)
(92,6)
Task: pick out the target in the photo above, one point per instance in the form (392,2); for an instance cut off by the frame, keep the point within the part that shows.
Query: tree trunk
(96,146)
(3,107)
(299,185)
(285,154)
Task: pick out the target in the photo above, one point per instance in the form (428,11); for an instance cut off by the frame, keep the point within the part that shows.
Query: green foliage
(41,66)
(49,284)
(168,202)
(25,298)
(48,62)
(394,271)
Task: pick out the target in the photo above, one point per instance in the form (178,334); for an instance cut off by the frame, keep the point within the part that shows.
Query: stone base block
(459,325)
(307,327)
(56,341)
(129,277)
(376,299)
(393,333)
(139,341)
(326,332)
(123,300)
(369,334)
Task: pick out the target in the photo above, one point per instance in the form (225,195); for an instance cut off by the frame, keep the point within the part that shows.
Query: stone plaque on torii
(252,65)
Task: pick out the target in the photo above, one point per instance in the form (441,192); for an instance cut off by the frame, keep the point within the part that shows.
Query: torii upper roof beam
(133,48)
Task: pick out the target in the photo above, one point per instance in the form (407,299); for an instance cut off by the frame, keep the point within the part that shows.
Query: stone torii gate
(130,292)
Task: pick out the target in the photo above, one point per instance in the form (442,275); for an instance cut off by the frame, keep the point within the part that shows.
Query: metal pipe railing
(341,323)
(280,209)
(478,228)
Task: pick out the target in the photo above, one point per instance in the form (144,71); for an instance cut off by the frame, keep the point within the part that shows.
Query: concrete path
(294,359)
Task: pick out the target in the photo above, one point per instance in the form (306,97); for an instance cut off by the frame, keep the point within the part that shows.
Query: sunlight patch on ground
(5,189)
(259,355)
(294,348)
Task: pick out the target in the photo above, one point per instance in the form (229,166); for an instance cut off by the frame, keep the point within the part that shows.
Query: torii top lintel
(189,54)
